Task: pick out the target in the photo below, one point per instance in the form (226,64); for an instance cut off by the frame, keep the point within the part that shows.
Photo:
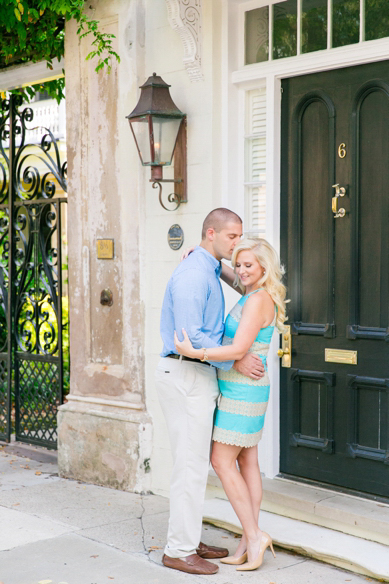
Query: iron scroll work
(31,316)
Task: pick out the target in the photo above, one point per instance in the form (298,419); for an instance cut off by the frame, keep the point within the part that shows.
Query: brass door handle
(339,192)
(281,353)
(285,353)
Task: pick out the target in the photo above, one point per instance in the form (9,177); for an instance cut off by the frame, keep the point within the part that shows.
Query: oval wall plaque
(175,236)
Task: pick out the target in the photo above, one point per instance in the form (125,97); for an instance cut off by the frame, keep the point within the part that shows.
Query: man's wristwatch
(205,354)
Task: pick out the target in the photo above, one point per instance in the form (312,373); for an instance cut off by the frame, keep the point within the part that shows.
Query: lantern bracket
(172,198)
(180,173)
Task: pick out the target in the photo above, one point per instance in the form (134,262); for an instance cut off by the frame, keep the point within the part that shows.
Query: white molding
(358,54)
(273,196)
(30,73)
(185,16)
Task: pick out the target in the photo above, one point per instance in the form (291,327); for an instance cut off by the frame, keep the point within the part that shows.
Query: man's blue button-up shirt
(194,301)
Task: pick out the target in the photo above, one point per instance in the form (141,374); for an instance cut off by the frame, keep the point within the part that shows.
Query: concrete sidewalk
(57,531)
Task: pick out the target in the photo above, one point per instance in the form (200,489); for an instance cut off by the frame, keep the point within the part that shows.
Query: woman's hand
(185,347)
(186,252)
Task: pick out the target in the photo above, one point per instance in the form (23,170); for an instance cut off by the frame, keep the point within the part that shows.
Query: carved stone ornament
(185,17)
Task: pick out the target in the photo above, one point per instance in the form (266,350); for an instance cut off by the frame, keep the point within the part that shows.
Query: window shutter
(255,163)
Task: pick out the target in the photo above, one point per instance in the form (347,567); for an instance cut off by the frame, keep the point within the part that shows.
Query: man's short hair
(218,218)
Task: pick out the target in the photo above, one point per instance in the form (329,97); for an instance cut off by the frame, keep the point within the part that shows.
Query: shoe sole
(188,571)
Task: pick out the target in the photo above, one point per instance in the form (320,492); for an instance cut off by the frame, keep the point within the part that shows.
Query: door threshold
(319,505)
(339,549)
(333,488)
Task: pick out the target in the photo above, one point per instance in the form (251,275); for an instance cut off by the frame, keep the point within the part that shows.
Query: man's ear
(210,233)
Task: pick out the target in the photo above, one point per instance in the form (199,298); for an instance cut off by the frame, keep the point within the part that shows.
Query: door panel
(335,415)
(314,232)
(372,210)
(313,156)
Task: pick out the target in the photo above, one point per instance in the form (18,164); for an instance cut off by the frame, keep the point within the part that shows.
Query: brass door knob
(281,352)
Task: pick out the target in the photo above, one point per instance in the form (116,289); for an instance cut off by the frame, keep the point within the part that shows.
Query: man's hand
(250,366)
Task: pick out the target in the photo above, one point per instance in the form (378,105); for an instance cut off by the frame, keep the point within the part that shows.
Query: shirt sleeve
(190,294)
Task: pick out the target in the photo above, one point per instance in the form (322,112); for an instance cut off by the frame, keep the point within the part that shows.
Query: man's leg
(188,393)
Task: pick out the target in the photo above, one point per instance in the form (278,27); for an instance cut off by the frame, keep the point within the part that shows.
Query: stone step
(349,514)
(339,549)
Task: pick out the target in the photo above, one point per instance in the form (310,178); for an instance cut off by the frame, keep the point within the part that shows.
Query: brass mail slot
(341,356)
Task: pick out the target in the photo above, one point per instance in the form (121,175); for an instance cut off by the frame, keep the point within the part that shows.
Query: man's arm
(190,295)
(228,276)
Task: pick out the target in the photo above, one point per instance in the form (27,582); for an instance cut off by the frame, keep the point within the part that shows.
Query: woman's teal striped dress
(240,415)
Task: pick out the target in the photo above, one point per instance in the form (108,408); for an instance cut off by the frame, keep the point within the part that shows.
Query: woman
(241,412)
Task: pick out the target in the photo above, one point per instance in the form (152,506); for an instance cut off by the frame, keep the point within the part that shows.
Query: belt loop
(180,359)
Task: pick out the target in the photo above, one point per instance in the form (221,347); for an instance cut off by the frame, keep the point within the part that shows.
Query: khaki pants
(187,393)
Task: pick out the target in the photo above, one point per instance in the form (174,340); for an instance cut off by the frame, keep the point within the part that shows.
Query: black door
(335,395)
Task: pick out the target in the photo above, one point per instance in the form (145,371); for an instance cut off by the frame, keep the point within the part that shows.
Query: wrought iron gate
(31,316)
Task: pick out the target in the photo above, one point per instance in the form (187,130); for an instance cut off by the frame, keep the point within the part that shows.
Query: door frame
(236,80)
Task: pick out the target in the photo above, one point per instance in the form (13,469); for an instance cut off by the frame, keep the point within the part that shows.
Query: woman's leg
(223,460)
(249,468)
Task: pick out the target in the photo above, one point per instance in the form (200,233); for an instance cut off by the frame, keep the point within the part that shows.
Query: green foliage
(285,29)
(314,30)
(34,30)
(345,22)
(377,19)
(65,345)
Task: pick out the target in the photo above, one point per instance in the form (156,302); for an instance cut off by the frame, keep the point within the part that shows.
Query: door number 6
(342,150)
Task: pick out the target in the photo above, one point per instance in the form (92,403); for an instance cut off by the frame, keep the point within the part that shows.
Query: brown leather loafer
(192,564)
(210,552)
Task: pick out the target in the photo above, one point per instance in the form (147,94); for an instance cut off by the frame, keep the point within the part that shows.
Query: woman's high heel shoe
(266,541)
(234,561)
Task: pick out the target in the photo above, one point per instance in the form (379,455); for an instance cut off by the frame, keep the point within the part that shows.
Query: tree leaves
(34,30)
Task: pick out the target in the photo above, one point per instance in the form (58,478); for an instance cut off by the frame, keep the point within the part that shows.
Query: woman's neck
(250,289)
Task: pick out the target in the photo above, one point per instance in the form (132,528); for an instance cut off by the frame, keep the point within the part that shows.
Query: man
(188,389)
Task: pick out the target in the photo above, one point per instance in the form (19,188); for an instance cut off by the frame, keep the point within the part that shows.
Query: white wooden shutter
(255,163)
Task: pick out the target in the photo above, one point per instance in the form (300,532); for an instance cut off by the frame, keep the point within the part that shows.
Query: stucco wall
(201,102)
(105,202)
(114,351)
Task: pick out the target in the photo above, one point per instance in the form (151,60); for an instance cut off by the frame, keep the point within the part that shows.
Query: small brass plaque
(105,249)
(341,356)
(175,236)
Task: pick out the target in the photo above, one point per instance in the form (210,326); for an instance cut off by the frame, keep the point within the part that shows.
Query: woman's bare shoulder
(262,297)
(260,302)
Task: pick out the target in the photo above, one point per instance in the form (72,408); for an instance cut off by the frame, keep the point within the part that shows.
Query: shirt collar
(217,266)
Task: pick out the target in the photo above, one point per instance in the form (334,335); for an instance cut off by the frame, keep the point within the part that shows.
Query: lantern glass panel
(165,136)
(140,127)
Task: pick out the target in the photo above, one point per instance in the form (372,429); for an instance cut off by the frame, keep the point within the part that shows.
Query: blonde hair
(271,280)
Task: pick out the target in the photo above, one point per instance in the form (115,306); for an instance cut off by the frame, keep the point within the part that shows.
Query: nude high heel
(266,541)
(234,561)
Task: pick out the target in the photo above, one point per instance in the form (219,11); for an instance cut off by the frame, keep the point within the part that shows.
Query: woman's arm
(228,276)
(258,312)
